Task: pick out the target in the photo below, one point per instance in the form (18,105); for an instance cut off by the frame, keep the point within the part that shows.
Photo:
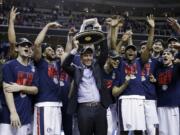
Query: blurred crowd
(38,17)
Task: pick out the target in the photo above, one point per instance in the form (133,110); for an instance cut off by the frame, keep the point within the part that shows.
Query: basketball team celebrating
(112,86)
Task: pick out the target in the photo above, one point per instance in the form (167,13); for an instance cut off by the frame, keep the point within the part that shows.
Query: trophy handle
(87,22)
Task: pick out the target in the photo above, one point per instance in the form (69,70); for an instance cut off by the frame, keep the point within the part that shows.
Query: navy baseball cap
(172,39)
(59,46)
(21,41)
(113,54)
(130,47)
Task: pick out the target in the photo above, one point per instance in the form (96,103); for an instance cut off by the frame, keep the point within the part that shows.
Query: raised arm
(126,37)
(103,53)
(130,39)
(40,39)
(174,24)
(145,55)
(69,44)
(67,64)
(11,32)
(114,24)
(177,59)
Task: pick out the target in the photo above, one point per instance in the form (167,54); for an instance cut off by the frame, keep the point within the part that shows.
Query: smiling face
(157,47)
(87,58)
(49,53)
(167,58)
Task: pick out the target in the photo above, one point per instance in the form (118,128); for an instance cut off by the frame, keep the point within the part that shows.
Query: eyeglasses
(25,44)
(115,59)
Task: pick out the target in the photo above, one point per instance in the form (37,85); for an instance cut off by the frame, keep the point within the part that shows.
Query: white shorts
(7,129)
(151,112)
(132,112)
(47,119)
(112,119)
(169,120)
(151,116)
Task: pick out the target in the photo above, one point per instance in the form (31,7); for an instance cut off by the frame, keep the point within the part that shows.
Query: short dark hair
(58,46)
(172,39)
(44,46)
(85,49)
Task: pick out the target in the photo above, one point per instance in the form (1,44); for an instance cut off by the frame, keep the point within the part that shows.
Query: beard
(50,58)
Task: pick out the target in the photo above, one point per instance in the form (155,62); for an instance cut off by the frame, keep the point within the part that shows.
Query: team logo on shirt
(24,78)
(53,72)
(164,79)
(145,71)
(63,77)
(131,70)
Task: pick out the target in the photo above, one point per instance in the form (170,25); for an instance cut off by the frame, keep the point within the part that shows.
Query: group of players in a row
(111,86)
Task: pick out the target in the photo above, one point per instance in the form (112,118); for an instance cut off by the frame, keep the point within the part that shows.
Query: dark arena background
(59,22)
(34,14)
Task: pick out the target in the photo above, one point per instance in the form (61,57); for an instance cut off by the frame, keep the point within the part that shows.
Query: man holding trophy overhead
(88,97)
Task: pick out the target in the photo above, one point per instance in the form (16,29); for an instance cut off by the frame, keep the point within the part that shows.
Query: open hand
(174,24)
(171,21)
(75,42)
(13,14)
(150,20)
